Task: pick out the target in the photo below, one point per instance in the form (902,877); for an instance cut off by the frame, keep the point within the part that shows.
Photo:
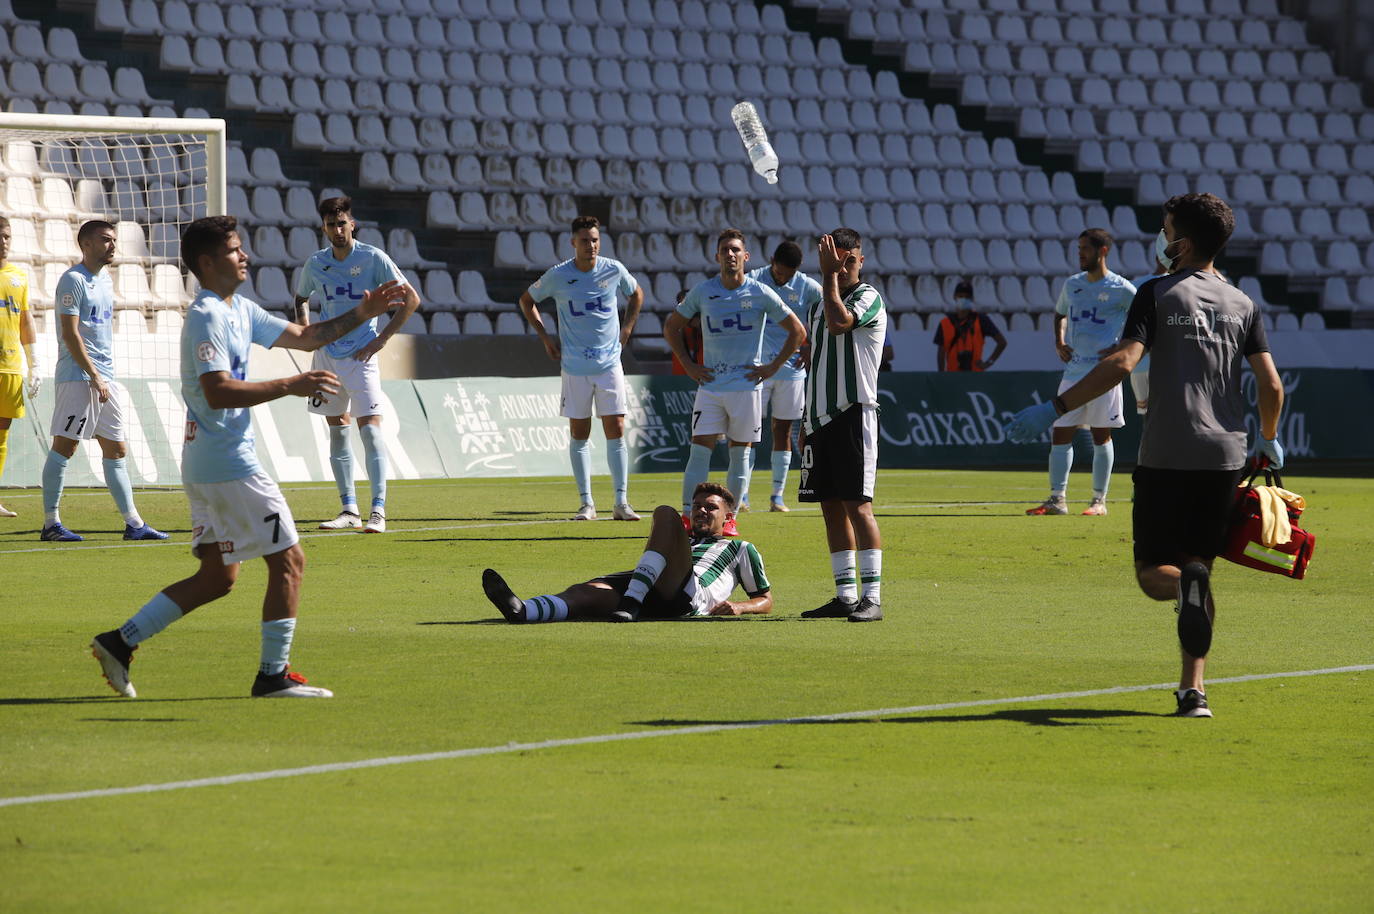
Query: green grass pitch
(1099,802)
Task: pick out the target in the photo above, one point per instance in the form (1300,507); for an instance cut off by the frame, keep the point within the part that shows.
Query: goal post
(150,177)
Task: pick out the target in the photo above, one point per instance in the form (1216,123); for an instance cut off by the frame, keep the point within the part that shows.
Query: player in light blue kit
(336,278)
(89,402)
(1088,318)
(237,511)
(1140,374)
(784,393)
(590,338)
(733,310)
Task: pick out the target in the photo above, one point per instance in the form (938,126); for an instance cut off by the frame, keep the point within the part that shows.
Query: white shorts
(1140,385)
(787,397)
(248,517)
(736,414)
(1104,412)
(78,413)
(360,383)
(607,390)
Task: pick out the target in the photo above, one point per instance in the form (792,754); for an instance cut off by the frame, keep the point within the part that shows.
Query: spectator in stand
(960,338)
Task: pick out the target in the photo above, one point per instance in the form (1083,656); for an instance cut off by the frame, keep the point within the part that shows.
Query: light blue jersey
(339,286)
(732,322)
(588,320)
(1096,312)
(800,293)
(216,337)
(1144,363)
(89,296)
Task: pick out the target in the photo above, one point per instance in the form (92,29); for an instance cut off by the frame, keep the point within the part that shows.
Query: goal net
(150,177)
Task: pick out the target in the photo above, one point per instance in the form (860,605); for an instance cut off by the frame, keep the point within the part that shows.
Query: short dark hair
(846,239)
(715,488)
(964,288)
(729,234)
(1204,219)
(788,254)
(336,206)
(1098,238)
(205,236)
(89,229)
(585,222)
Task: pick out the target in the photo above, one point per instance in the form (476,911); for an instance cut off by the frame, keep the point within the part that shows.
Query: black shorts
(840,460)
(656,606)
(1181,513)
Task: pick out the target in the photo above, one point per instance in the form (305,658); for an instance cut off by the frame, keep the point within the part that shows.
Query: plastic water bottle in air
(761,154)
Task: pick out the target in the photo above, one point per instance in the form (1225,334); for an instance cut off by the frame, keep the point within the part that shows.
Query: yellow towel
(1275,530)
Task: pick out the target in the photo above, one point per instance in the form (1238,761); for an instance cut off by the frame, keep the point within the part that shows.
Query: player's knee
(667,514)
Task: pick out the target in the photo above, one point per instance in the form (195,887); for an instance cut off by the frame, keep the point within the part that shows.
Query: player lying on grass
(680,574)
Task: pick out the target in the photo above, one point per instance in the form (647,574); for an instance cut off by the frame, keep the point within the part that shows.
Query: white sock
(546,609)
(277,635)
(871,573)
(156,614)
(842,567)
(651,565)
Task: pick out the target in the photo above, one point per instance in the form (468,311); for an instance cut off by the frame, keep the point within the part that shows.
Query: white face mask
(963,304)
(1162,244)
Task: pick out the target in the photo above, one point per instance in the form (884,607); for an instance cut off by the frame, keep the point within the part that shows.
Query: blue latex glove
(1271,449)
(1030,423)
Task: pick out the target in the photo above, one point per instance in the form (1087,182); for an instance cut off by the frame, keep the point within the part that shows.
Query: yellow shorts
(11,396)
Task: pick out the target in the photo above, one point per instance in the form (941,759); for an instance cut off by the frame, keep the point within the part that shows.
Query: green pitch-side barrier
(462,427)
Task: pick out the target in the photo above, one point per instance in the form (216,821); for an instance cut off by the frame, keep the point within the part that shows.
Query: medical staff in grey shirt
(1198,330)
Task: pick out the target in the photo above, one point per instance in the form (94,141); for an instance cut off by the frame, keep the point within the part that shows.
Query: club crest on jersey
(68,300)
(205,351)
(356,271)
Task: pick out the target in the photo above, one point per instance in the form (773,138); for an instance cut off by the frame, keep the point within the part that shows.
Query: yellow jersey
(14,301)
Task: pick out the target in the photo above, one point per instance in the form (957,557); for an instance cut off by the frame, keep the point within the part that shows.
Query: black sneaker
(835,609)
(627,611)
(286,684)
(867,611)
(502,597)
(1195,610)
(1191,703)
(114,656)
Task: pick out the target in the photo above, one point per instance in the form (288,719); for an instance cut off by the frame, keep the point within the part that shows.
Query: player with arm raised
(840,429)
(728,402)
(16,331)
(1199,331)
(682,573)
(237,511)
(337,276)
(1087,324)
(89,402)
(590,338)
(784,394)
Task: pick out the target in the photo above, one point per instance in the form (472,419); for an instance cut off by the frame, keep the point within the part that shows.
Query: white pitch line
(388,761)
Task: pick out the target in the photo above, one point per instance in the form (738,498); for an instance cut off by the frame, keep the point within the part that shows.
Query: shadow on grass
(499,621)
(137,720)
(1039,717)
(103,699)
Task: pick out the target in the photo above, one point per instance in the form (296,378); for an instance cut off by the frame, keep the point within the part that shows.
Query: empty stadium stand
(964,138)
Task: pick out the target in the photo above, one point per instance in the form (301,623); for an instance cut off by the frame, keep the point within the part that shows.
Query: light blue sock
(117,481)
(374,455)
(618,459)
(580,455)
(1061,461)
(276,646)
(156,614)
(698,470)
(1104,455)
(782,462)
(341,462)
(54,474)
(737,476)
